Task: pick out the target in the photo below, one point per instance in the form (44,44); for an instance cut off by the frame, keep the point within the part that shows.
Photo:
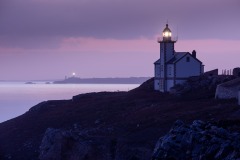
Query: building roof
(177,56)
(166,29)
(158,61)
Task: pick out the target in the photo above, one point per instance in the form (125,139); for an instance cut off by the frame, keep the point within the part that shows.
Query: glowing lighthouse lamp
(167,34)
(73,74)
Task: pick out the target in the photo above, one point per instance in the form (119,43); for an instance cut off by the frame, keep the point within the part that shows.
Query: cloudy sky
(48,39)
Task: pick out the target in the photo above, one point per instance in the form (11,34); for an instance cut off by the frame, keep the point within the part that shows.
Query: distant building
(236,72)
(174,67)
(211,73)
(228,89)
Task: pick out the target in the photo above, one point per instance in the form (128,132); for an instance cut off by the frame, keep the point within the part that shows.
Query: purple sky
(48,39)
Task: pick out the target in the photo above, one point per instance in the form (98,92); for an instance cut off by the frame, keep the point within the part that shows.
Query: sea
(16,98)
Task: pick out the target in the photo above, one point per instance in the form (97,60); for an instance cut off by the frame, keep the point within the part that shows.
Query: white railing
(160,39)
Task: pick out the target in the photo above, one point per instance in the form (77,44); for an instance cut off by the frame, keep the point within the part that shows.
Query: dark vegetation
(76,80)
(129,122)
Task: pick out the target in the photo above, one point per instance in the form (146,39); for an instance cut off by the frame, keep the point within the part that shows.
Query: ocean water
(17,97)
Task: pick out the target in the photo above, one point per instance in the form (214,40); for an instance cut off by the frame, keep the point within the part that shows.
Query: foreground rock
(198,141)
(79,144)
(67,144)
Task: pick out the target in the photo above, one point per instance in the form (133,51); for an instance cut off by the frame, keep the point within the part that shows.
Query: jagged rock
(197,141)
(74,144)
(60,144)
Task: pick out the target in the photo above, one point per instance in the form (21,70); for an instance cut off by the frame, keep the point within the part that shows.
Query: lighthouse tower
(166,53)
(174,67)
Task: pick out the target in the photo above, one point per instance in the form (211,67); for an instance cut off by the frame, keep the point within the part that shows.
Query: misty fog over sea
(17,97)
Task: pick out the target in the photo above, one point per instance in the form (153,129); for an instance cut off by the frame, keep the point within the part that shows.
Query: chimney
(194,54)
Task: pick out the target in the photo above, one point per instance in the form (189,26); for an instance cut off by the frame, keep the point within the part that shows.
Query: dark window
(188,59)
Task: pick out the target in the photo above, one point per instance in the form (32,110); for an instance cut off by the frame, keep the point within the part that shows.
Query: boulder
(199,140)
(70,144)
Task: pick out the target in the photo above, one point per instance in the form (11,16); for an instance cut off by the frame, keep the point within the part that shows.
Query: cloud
(43,23)
(95,57)
(94,45)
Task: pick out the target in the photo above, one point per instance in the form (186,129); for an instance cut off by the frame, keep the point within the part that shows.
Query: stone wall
(228,89)
(226,92)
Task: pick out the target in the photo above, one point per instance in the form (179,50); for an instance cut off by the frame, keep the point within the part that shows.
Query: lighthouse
(174,67)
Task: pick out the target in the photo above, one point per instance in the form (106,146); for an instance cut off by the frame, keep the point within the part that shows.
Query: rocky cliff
(106,125)
(198,141)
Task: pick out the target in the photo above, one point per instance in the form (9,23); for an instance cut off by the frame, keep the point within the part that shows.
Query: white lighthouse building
(174,67)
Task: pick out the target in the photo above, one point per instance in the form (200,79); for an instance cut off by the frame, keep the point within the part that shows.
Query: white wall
(161,85)
(162,59)
(187,69)
(170,70)
(226,92)
(202,71)
(157,70)
(169,51)
(156,84)
(170,84)
(157,76)
(180,81)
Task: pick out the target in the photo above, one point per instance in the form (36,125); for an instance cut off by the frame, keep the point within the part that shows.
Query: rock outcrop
(72,144)
(198,141)
(80,144)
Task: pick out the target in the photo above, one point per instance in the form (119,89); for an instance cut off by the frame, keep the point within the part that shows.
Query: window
(161,67)
(188,59)
(170,71)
